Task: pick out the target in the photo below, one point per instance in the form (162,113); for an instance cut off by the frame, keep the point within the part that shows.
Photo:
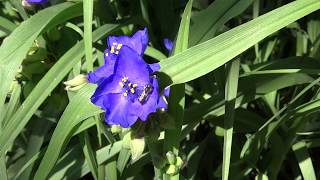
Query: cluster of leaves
(244,90)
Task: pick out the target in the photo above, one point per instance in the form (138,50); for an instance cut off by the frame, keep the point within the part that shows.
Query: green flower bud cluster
(174,165)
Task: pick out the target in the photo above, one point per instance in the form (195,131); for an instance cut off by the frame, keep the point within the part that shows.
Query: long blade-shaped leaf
(14,48)
(230,97)
(176,100)
(44,88)
(208,56)
(77,108)
(207,22)
(87,20)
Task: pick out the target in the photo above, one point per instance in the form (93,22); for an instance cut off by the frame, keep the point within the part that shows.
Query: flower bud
(179,162)
(171,157)
(76,83)
(26,5)
(136,147)
(116,129)
(219,131)
(261,176)
(171,170)
(78,80)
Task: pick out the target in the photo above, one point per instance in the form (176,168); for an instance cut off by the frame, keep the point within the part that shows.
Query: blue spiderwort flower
(36,1)
(138,42)
(130,92)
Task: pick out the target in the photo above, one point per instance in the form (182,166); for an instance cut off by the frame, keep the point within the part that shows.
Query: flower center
(134,92)
(127,86)
(115,48)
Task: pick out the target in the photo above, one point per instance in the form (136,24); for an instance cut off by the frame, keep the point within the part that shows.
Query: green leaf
(206,23)
(3,169)
(52,78)
(177,93)
(110,169)
(230,97)
(254,144)
(6,25)
(259,85)
(15,47)
(89,154)
(87,20)
(79,107)
(154,53)
(208,56)
(177,96)
(72,163)
(13,103)
(123,158)
(305,162)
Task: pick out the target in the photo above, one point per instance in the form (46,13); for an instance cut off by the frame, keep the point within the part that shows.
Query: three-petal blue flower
(127,89)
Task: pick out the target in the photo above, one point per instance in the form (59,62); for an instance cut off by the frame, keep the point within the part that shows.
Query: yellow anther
(134,85)
(106,54)
(132,90)
(112,49)
(117,52)
(129,84)
(121,84)
(119,46)
(125,79)
(125,94)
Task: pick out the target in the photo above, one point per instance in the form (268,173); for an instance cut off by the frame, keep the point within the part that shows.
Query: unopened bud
(261,177)
(171,157)
(171,170)
(137,146)
(179,162)
(26,5)
(76,88)
(78,80)
(76,83)
(116,129)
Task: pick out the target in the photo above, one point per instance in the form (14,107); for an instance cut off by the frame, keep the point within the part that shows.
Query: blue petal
(138,41)
(162,103)
(109,56)
(120,111)
(107,86)
(154,67)
(104,71)
(166,91)
(36,1)
(168,44)
(130,64)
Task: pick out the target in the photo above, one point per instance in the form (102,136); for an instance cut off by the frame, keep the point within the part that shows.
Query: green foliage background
(244,100)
